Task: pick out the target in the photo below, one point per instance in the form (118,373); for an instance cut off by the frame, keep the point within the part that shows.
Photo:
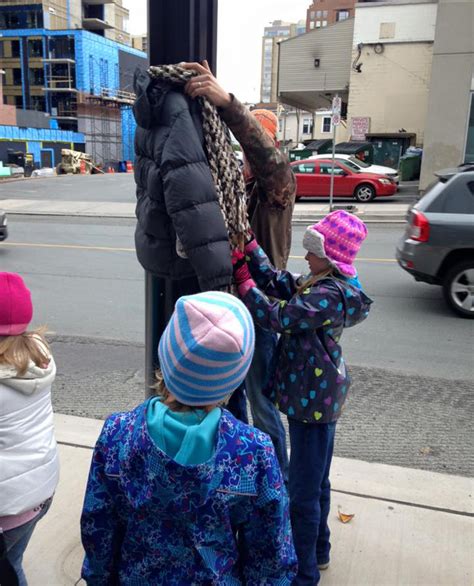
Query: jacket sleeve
(191,202)
(273,282)
(270,166)
(317,306)
(265,540)
(101,530)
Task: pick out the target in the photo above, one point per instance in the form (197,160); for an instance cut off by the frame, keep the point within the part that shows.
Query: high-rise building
(273,34)
(322,13)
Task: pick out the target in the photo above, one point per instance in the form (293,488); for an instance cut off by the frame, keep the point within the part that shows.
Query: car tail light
(419,227)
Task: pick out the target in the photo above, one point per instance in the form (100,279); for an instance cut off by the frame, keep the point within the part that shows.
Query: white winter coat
(29,464)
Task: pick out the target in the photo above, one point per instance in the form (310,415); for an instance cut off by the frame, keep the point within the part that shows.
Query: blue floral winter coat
(310,380)
(150,521)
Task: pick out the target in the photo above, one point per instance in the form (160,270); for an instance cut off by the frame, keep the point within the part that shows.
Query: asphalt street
(411,401)
(120,187)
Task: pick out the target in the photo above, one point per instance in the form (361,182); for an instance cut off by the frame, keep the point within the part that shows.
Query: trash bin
(410,166)
(299,154)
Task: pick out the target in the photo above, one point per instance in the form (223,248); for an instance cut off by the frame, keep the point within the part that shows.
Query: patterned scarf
(225,169)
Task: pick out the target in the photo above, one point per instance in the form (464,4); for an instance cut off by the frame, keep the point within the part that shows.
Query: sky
(241,24)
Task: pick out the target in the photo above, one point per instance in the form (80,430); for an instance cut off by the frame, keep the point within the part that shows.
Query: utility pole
(178,30)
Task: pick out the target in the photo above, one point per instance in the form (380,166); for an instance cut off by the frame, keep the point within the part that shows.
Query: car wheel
(458,288)
(364,193)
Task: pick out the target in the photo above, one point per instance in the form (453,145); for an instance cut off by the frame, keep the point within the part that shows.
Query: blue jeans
(264,413)
(16,541)
(310,496)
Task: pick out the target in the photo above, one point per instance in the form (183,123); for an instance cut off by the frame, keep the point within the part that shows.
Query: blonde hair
(161,391)
(19,351)
(313,279)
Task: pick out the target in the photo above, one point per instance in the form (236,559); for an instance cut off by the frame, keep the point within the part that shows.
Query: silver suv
(438,245)
(3,226)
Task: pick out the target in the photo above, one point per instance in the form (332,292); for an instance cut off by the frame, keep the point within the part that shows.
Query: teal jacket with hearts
(310,380)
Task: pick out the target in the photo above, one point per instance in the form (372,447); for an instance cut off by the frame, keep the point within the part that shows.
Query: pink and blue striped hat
(207,347)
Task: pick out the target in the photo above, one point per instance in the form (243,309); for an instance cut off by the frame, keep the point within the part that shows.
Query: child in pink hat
(29,469)
(310,382)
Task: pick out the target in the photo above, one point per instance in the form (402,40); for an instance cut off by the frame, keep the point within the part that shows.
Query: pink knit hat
(16,309)
(337,237)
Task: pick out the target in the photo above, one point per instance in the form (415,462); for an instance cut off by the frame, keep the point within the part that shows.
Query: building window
(325,13)
(35,47)
(318,24)
(342,15)
(319,13)
(19,101)
(311,25)
(17,77)
(311,15)
(326,124)
(38,103)
(325,23)
(15,46)
(37,76)
(25,16)
(307,126)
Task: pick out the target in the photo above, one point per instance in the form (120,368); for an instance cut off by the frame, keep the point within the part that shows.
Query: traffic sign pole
(335,120)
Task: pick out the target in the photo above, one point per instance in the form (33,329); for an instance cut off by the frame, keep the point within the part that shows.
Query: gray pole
(178,30)
(331,190)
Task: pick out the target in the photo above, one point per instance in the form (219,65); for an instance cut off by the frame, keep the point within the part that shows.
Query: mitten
(242,277)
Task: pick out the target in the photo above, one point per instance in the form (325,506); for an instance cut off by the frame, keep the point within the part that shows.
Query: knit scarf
(225,170)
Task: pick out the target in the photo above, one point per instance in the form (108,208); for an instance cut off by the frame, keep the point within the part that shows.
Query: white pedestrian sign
(336,105)
(336,119)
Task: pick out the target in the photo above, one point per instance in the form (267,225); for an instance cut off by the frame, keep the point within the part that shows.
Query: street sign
(336,119)
(336,105)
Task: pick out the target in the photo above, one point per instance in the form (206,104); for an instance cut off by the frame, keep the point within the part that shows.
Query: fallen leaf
(426,451)
(344,518)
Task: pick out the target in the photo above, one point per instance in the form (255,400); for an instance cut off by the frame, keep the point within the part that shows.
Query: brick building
(322,13)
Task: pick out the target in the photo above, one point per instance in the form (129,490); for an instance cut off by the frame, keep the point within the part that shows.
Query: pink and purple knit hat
(207,347)
(16,309)
(337,237)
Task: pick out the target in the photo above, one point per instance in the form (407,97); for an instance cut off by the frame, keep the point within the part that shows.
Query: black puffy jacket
(175,191)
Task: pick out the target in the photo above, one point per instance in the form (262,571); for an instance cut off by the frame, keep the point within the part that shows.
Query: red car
(313,179)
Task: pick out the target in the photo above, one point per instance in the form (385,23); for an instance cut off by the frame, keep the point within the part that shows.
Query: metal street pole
(331,189)
(335,120)
(178,30)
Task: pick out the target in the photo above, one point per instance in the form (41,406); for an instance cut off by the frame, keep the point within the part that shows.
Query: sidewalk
(410,527)
(304,212)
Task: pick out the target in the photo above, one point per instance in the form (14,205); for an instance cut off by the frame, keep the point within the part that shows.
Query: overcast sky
(241,24)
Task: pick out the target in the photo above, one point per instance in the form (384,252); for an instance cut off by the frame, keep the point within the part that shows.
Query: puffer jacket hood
(34,380)
(151,94)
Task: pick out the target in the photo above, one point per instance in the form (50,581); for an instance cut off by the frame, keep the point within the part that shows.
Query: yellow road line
(117,249)
(68,247)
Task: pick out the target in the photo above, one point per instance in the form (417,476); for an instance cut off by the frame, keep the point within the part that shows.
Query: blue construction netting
(40,134)
(128,134)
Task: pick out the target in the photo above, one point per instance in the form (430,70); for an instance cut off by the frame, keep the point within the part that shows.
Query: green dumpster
(410,167)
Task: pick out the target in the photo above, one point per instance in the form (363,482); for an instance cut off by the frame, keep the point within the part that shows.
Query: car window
(304,168)
(352,166)
(457,197)
(326,169)
(359,163)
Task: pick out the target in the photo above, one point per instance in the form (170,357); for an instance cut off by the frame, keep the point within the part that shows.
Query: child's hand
(241,269)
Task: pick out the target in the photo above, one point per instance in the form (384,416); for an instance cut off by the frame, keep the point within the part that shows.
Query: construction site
(75,82)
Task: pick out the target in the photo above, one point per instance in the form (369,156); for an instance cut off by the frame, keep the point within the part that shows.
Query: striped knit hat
(206,348)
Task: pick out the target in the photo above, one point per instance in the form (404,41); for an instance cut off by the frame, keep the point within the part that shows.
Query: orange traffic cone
(82,167)
(129,166)
(110,170)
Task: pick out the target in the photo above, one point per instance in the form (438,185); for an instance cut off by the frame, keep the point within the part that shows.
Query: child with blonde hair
(29,469)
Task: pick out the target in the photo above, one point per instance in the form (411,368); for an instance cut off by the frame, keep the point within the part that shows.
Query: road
(120,188)
(411,401)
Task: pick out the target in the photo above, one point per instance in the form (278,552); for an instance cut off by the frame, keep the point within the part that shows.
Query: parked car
(438,246)
(357,164)
(446,174)
(3,226)
(313,178)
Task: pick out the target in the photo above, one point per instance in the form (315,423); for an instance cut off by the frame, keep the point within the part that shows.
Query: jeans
(264,413)
(310,496)
(16,541)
